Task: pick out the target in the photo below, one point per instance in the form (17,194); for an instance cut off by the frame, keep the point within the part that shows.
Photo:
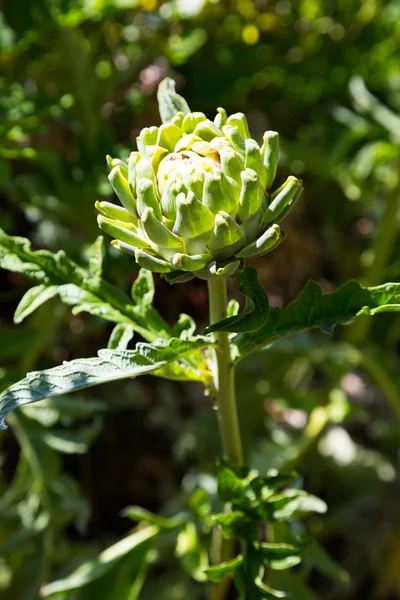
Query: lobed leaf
(83,289)
(109,365)
(314,309)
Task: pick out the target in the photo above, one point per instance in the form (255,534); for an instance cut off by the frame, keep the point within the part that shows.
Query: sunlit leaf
(314,309)
(83,289)
(109,365)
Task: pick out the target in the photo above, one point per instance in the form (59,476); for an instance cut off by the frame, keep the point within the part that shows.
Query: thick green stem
(224,384)
(224,378)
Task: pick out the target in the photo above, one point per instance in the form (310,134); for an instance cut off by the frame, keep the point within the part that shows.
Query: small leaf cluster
(257,504)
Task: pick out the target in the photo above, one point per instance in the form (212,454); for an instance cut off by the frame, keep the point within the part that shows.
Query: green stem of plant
(224,378)
(224,385)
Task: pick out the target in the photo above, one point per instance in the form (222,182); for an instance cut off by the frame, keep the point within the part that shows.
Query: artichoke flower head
(196,196)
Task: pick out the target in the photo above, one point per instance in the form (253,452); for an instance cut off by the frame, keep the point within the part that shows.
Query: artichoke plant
(197,196)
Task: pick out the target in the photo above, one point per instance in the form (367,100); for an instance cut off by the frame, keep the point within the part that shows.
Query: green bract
(196,197)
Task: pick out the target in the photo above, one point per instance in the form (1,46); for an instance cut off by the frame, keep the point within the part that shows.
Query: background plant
(295,92)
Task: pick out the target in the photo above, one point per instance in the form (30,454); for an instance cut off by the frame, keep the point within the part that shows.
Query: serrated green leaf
(255,313)
(32,299)
(169,102)
(120,336)
(78,287)
(140,541)
(314,309)
(217,573)
(110,365)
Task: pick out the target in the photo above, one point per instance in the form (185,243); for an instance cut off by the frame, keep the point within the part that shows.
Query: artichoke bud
(146,198)
(269,240)
(113,211)
(157,232)
(231,163)
(191,120)
(254,161)
(233,135)
(250,196)
(270,156)
(207,130)
(281,199)
(147,137)
(122,189)
(193,219)
(240,121)
(124,232)
(217,194)
(227,236)
(221,118)
(168,136)
(152,263)
(186,262)
(196,199)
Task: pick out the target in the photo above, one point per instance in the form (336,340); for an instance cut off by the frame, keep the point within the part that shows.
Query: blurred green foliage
(77,82)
